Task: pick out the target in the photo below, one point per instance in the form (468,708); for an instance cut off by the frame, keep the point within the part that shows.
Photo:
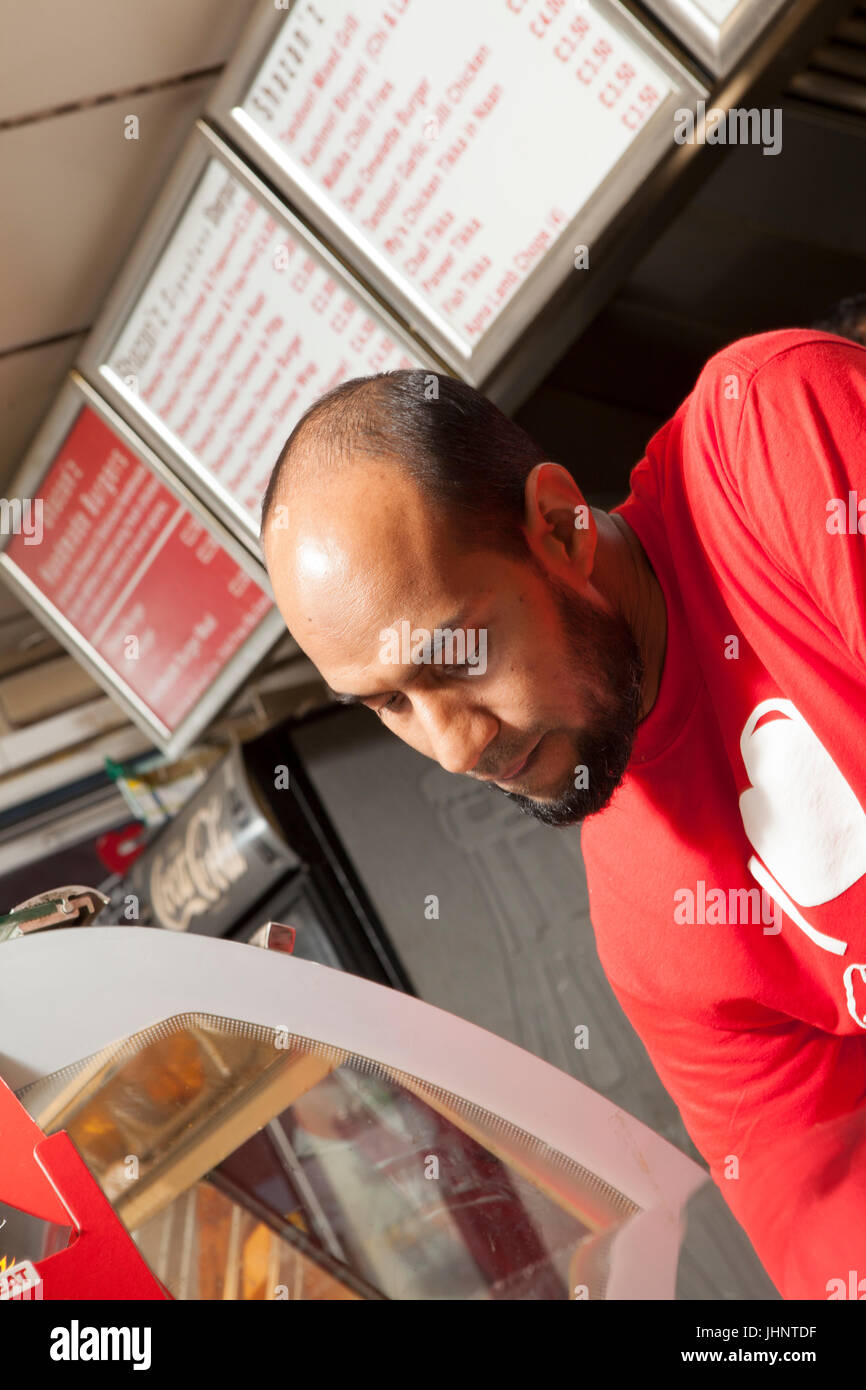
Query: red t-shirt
(727,878)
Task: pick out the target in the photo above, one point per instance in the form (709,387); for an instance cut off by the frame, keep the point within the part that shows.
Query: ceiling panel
(54,53)
(75,193)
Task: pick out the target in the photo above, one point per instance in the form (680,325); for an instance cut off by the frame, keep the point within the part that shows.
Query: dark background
(767,242)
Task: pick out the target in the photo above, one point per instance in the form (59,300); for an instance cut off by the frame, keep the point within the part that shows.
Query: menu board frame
(555,268)
(76,395)
(204,145)
(718,46)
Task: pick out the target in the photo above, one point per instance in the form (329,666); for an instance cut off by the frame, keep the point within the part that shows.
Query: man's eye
(462,668)
(458,670)
(389,704)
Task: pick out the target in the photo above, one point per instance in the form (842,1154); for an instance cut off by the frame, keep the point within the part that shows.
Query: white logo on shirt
(852,974)
(803,819)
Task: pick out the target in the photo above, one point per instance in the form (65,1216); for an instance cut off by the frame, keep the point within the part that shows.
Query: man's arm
(779,1113)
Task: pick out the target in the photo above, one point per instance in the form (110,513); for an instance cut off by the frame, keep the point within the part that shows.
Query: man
(687,676)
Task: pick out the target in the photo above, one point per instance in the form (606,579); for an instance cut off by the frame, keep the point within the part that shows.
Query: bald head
(338,427)
(467,457)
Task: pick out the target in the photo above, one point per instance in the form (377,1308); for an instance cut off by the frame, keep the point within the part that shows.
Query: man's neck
(625,576)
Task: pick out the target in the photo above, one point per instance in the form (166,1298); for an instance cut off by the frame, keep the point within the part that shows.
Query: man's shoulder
(776,383)
(769,354)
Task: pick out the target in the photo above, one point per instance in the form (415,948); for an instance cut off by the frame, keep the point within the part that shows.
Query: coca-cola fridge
(253,844)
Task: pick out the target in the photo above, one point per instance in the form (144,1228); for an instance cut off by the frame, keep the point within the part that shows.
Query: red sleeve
(779,1113)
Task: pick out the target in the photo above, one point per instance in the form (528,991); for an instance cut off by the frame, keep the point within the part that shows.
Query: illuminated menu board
(453,152)
(128,575)
(227,324)
(717,31)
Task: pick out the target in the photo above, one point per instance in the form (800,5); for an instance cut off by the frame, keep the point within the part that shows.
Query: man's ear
(560,527)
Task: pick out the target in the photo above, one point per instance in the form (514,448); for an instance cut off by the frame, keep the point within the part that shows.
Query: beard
(608,668)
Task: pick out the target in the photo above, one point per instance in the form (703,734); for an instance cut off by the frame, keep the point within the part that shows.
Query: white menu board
(452,146)
(236,326)
(717,31)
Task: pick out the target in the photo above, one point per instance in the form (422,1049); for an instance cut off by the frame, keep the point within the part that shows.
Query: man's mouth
(516,769)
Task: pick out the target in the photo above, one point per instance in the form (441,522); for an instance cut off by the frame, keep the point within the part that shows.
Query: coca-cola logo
(191,876)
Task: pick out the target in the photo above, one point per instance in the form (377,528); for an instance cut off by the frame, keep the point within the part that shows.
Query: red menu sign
(136,574)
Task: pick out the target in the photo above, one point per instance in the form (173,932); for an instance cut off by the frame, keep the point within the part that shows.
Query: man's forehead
(336,605)
(366,521)
(362,508)
(323,569)
(342,630)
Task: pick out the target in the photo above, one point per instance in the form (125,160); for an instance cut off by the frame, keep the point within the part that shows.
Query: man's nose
(457,736)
